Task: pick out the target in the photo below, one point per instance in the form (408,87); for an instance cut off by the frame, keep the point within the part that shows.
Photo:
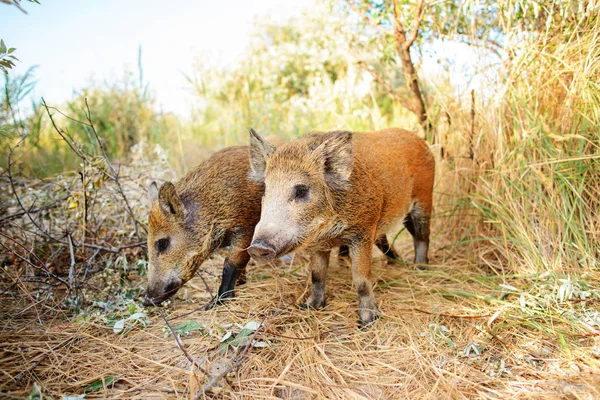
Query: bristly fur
(361,184)
(212,206)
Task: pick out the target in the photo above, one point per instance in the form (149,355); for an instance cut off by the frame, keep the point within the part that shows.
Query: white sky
(73,41)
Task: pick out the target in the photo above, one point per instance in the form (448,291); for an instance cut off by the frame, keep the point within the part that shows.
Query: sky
(74,41)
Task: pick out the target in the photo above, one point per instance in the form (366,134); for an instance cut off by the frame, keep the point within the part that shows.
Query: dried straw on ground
(450,331)
(474,324)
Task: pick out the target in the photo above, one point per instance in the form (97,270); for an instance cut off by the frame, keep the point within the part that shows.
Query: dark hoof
(306,306)
(215,302)
(148,302)
(366,325)
(219,301)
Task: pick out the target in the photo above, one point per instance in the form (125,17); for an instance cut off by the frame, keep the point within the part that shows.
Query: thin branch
(72,266)
(31,210)
(418,18)
(115,173)
(14,190)
(177,339)
(62,134)
(381,80)
(214,379)
(398,27)
(42,265)
(16,4)
(201,275)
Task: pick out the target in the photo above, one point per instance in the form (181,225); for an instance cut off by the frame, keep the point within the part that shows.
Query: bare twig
(178,340)
(63,134)
(417,24)
(17,197)
(115,174)
(32,210)
(213,380)
(72,266)
(42,265)
(201,275)
(382,81)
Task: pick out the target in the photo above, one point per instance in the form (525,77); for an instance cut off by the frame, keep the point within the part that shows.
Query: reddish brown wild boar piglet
(213,206)
(340,188)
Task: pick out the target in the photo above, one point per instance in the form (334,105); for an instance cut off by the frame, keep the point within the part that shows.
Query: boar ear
(335,155)
(169,201)
(260,150)
(153,192)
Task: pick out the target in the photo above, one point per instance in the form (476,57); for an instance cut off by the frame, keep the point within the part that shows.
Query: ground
(448,331)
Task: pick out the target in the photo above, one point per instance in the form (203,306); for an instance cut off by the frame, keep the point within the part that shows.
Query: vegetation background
(506,93)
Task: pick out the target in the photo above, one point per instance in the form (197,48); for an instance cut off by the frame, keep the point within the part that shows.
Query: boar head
(173,246)
(303,180)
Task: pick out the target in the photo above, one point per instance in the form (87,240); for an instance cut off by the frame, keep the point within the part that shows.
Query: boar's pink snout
(261,250)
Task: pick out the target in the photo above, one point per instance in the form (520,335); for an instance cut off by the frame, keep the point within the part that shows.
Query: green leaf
(35,393)
(2,47)
(187,327)
(131,308)
(11,50)
(100,383)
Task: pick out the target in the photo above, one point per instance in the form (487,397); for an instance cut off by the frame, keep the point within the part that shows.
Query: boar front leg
(319,261)
(361,255)
(233,267)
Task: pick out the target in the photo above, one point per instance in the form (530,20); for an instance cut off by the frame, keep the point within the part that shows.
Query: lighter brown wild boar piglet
(340,188)
(212,206)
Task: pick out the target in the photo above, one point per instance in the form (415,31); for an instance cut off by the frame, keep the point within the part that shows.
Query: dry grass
(454,330)
(474,324)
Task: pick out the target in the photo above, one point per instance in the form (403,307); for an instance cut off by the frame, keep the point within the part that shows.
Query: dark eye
(301,192)
(162,245)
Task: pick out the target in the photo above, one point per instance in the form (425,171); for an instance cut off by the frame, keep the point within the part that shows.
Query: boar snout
(158,293)
(261,250)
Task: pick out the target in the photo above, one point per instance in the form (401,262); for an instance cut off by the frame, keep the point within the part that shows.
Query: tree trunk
(412,81)
(403,45)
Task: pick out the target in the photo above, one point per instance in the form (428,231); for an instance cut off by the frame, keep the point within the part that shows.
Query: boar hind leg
(233,267)
(361,255)
(385,247)
(417,223)
(318,270)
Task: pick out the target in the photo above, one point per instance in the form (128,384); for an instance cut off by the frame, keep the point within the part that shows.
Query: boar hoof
(366,322)
(367,317)
(212,304)
(216,302)
(313,304)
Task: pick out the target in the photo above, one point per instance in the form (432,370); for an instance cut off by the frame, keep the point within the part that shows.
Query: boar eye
(162,245)
(300,192)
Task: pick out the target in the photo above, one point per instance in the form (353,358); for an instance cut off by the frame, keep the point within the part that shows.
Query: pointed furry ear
(153,192)
(260,151)
(335,155)
(169,201)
